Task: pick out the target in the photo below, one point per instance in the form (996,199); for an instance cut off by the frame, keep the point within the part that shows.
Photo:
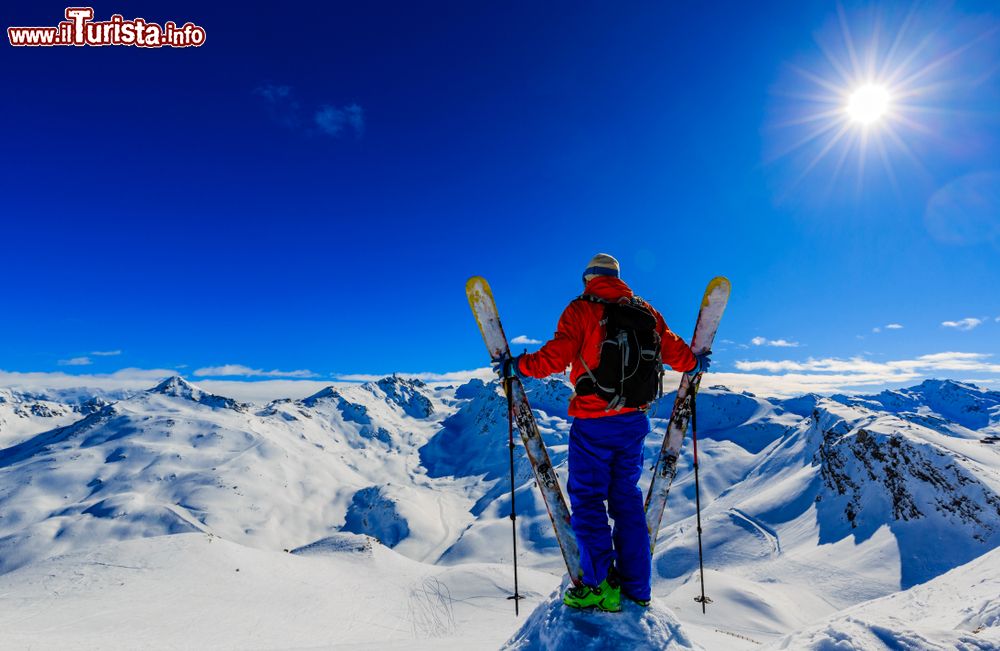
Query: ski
(712,307)
(484,308)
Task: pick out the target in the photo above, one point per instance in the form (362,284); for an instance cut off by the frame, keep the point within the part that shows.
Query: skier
(609,425)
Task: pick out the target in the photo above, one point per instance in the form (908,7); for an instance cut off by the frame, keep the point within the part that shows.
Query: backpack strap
(624,300)
(590,298)
(587,372)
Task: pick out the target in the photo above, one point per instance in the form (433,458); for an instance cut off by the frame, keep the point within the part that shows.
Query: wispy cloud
(831,374)
(105,353)
(75,361)
(230,370)
(453,376)
(894,326)
(963,324)
(948,361)
(280,105)
(126,378)
(778,378)
(336,120)
(326,119)
(138,379)
(524,340)
(776,343)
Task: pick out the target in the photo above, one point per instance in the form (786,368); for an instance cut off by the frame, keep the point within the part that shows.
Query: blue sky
(309,190)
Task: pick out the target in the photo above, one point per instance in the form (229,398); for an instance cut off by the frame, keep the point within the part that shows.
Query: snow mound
(337,544)
(957,610)
(554,626)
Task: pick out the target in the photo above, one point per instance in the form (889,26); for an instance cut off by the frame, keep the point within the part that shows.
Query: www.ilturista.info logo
(81,29)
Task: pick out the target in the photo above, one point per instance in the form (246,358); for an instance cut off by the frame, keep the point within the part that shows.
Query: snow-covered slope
(810,505)
(957,610)
(23,415)
(553,626)
(195,591)
(177,459)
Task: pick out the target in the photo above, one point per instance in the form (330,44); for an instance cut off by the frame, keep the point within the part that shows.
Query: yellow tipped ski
(712,307)
(480,296)
(717,291)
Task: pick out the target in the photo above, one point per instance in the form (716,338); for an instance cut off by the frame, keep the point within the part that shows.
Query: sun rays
(882,85)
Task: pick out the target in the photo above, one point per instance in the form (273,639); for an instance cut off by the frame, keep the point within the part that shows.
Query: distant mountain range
(811,505)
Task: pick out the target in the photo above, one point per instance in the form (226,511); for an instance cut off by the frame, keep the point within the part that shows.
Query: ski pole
(513,511)
(697,500)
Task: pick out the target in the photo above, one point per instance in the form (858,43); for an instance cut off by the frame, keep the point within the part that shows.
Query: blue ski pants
(605,461)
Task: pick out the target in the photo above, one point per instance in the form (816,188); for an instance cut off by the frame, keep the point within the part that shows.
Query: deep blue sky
(185,207)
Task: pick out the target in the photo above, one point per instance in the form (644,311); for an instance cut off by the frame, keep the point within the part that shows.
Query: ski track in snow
(766,532)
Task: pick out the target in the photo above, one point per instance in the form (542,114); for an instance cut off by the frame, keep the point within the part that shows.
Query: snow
(957,610)
(22,415)
(844,522)
(552,626)
(200,591)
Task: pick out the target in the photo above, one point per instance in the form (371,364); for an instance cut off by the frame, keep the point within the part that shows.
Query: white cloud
(137,379)
(126,378)
(75,361)
(453,377)
(263,391)
(245,371)
(777,343)
(833,374)
(963,324)
(894,326)
(524,340)
(106,353)
(876,330)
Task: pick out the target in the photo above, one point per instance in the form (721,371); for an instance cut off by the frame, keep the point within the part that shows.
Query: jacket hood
(608,288)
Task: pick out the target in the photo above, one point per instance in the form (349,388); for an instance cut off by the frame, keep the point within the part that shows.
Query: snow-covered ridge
(813,501)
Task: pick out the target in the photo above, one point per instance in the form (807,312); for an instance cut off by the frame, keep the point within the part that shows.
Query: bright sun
(868,103)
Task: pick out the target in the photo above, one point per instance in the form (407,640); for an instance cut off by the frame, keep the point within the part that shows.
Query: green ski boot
(615,583)
(603,597)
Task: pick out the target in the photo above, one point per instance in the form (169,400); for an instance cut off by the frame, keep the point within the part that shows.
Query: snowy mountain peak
(325,393)
(178,387)
(408,395)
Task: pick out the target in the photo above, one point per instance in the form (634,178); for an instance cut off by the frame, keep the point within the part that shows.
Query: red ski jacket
(579,333)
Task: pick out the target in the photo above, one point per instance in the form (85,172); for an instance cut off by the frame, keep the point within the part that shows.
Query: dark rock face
(373,513)
(889,476)
(407,395)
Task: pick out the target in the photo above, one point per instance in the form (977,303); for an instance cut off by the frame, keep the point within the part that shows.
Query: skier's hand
(702,362)
(507,367)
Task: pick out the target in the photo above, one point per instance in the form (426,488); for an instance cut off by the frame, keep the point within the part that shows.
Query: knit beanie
(601,264)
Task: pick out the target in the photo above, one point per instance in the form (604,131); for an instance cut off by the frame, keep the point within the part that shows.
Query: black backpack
(630,371)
